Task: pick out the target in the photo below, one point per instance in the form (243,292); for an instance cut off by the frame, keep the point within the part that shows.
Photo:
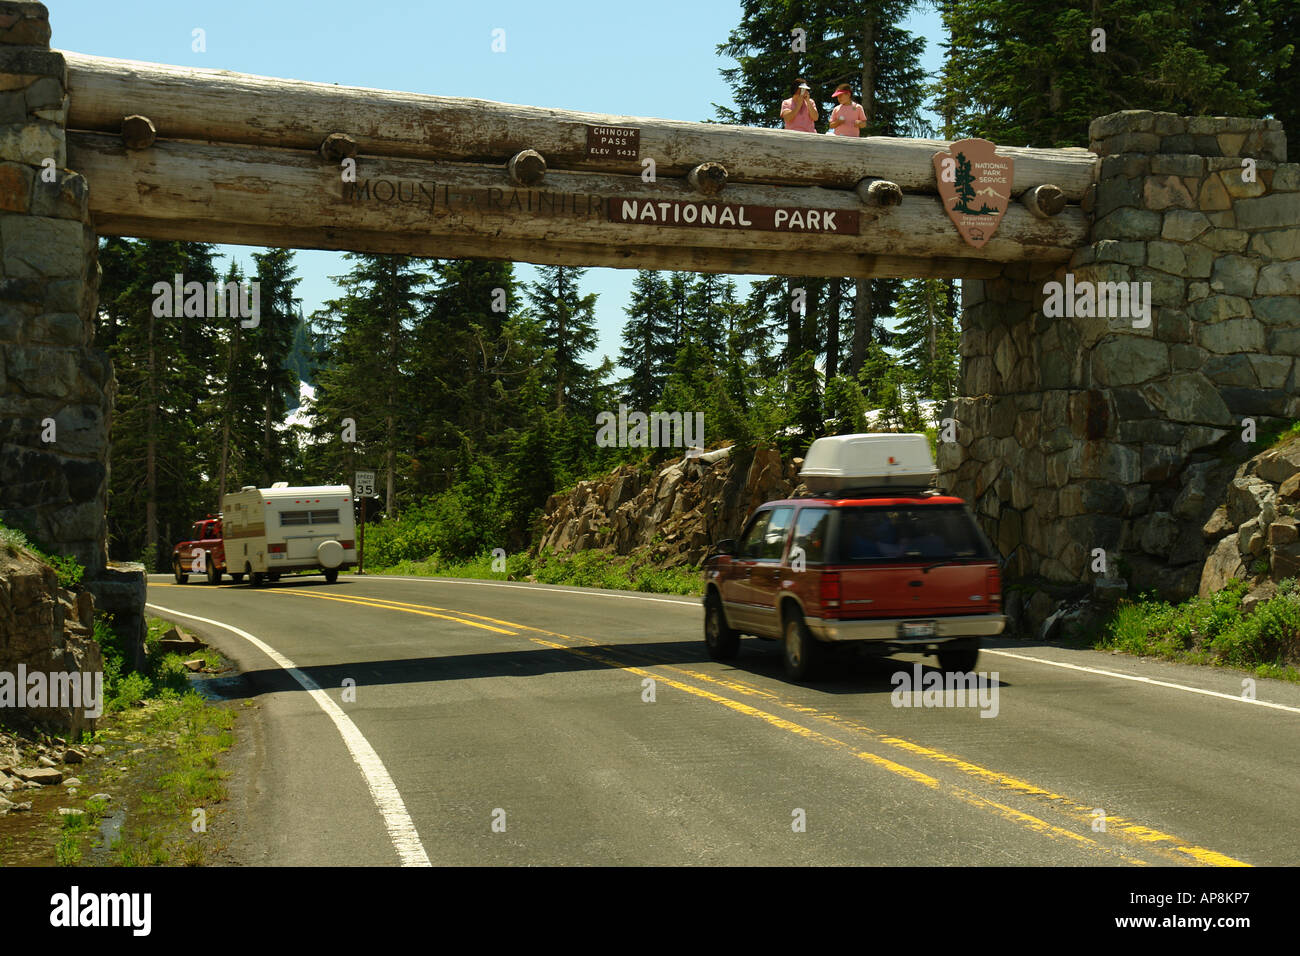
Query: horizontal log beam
(261,190)
(225,107)
(758,262)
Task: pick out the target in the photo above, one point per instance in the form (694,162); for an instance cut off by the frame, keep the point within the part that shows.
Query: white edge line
(1144,680)
(400,828)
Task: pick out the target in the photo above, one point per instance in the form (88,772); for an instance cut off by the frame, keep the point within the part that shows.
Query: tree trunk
(151,451)
(863,320)
(833,329)
(227,412)
(862,323)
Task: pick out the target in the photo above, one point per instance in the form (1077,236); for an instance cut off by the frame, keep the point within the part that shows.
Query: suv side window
(774,537)
(752,540)
(810,532)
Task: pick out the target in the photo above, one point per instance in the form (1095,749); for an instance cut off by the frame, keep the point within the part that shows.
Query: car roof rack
(875,491)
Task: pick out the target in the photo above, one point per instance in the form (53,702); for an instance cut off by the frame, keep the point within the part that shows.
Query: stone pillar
(56,388)
(1086,431)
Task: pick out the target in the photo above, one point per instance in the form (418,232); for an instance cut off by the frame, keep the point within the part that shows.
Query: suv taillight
(993,586)
(348,545)
(830,593)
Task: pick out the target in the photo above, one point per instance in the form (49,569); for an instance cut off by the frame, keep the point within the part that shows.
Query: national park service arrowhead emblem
(975,187)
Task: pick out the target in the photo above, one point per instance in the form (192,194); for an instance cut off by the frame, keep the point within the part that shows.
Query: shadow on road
(846,674)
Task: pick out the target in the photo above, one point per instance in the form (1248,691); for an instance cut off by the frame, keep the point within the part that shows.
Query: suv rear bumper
(886,629)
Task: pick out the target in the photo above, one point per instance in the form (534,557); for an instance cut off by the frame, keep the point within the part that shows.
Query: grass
(591,568)
(177,771)
(1214,630)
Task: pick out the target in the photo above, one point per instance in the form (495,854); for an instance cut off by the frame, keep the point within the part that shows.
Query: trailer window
(319,516)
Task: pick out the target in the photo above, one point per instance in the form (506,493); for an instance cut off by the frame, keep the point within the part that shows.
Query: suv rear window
(915,533)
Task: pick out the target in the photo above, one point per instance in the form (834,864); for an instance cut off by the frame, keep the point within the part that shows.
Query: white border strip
(1143,680)
(400,828)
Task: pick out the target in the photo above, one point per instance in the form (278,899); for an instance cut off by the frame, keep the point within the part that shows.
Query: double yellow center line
(1165,845)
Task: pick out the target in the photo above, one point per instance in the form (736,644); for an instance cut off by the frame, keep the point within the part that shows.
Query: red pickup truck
(869,559)
(205,554)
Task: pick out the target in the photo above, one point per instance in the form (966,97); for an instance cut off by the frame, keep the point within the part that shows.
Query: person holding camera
(799,112)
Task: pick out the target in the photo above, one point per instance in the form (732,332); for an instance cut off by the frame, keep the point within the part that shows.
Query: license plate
(916,629)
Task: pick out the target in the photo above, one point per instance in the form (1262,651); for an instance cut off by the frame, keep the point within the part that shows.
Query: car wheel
(722,641)
(214,572)
(236,576)
(331,575)
(958,660)
(802,654)
(181,576)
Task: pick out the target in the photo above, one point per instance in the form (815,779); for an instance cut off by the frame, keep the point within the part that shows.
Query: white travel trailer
(267,531)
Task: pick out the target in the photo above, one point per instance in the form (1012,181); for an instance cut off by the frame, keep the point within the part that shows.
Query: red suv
(895,570)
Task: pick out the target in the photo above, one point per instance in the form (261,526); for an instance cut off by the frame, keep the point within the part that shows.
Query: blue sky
(606,57)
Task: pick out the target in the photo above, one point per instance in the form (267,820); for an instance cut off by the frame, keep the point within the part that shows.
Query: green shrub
(1213,629)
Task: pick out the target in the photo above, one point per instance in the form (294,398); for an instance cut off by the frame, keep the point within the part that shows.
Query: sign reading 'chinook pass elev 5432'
(678,212)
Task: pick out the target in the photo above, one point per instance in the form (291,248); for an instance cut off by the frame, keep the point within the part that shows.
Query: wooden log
(263,190)
(879,192)
(526,168)
(138,132)
(337,147)
(708,178)
(1044,201)
(759,262)
(220,106)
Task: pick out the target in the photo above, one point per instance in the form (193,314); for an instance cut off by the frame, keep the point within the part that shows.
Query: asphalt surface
(495,723)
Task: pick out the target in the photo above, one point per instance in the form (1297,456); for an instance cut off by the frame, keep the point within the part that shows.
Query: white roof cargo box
(878,460)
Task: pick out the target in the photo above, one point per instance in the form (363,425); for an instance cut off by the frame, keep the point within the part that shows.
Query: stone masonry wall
(56,388)
(53,382)
(1086,432)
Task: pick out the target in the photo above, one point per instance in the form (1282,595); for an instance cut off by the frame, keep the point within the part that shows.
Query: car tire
(236,576)
(181,576)
(722,641)
(214,572)
(959,660)
(801,653)
(331,575)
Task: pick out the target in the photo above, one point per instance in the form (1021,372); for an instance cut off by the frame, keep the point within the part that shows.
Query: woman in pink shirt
(799,111)
(849,118)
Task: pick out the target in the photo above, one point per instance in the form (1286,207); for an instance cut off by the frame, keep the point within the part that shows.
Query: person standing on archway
(849,118)
(799,111)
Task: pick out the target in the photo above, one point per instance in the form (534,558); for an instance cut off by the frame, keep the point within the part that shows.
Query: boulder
(1221,565)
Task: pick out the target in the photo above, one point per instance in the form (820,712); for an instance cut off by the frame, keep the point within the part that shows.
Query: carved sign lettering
(613,142)
(719,215)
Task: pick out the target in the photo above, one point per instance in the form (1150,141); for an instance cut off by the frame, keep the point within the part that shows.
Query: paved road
(498,723)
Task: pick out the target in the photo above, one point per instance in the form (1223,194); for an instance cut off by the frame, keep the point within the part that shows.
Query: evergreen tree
(367,378)
(927,337)
(646,340)
(270,342)
(1034,74)
(568,324)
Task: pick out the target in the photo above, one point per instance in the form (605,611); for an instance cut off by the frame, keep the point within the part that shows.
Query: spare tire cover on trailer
(329,554)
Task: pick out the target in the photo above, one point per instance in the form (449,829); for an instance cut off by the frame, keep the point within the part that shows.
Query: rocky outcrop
(673,515)
(1255,533)
(45,630)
